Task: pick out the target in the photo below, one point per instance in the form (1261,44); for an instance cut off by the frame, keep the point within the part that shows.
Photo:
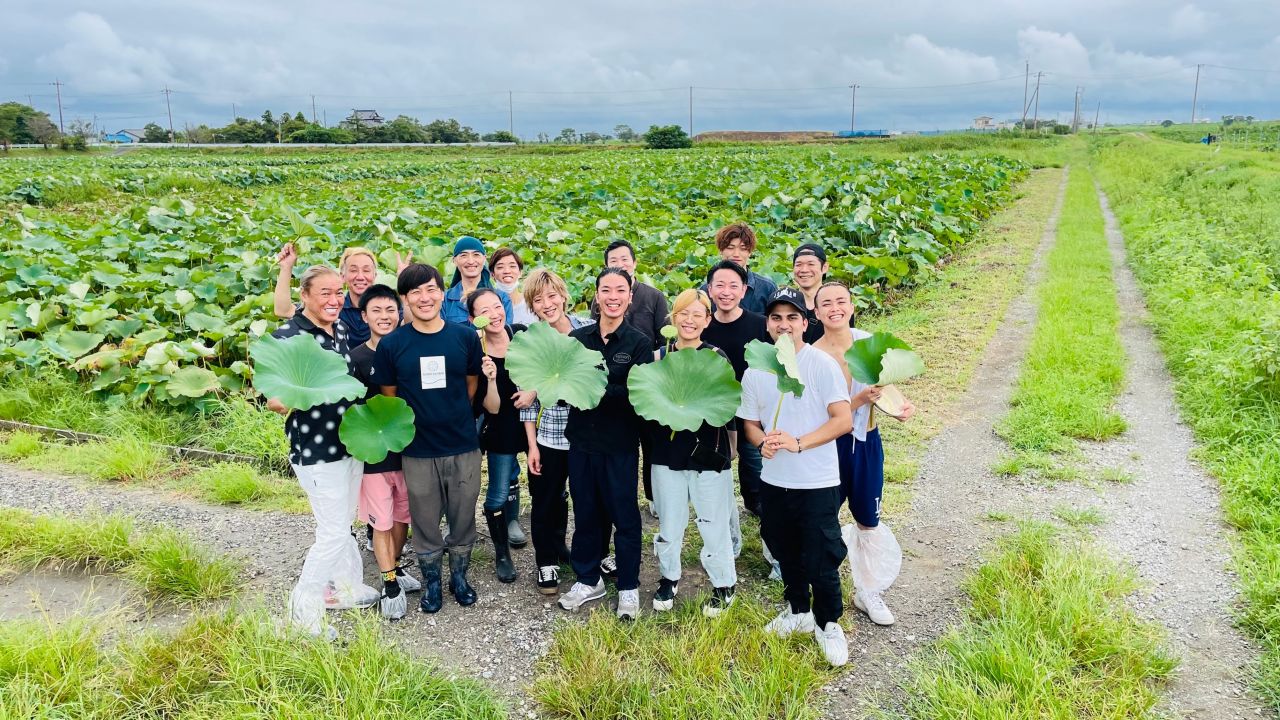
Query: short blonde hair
(687,298)
(541,280)
(312,274)
(356,252)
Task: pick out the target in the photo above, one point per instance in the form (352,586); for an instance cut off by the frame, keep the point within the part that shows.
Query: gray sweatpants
(444,486)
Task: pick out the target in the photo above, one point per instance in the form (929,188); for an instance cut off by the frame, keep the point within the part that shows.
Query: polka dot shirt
(313,434)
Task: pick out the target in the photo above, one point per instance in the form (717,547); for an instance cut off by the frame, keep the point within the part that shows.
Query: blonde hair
(356,252)
(541,280)
(312,274)
(687,298)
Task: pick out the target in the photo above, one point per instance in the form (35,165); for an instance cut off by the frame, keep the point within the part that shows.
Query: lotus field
(149,275)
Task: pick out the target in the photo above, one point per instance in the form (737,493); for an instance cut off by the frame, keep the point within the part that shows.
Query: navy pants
(603,489)
(862,476)
(802,529)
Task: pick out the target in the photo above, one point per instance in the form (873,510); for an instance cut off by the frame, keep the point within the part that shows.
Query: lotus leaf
(685,389)
(301,374)
(379,426)
(557,367)
(882,359)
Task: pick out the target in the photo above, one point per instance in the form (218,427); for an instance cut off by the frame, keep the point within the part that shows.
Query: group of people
(419,341)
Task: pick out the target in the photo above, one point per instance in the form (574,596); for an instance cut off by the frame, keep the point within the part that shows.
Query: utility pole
(1075,114)
(1036,120)
(313,109)
(1096,112)
(167,107)
(326,117)
(690,112)
(511,115)
(1026,81)
(1195,94)
(58,85)
(853,106)
(233,113)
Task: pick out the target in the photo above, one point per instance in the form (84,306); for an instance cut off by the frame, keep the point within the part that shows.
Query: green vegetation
(1079,517)
(680,664)
(1075,365)
(1022,461)
(1048,635)
(1204,241)
(164,562)
(19,445)
(230,665)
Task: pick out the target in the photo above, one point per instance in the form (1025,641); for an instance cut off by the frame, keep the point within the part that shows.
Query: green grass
(164,562)
(1079,517)
(1204,242)
(1048,635)
(680,664)
(1019,462)
(223,666)
(1116,475)
(1074,366)
(18,445)
(244,485)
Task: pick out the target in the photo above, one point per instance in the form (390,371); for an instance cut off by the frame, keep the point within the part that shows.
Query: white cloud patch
(94,58)
(1055,52)
(1190,21)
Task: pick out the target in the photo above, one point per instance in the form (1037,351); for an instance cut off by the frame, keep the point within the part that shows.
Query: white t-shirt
(824,384)
(861,416)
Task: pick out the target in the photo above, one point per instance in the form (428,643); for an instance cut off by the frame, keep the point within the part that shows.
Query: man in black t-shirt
(384,499)
(731,329)
(435,366)
(809,270)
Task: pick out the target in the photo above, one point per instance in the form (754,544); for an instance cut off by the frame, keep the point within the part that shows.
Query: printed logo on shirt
(622,358)
(432,369)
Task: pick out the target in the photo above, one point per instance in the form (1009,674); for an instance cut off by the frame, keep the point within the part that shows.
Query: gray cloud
(755,65)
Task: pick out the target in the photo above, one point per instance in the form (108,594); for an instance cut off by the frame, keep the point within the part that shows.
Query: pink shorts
(384,500)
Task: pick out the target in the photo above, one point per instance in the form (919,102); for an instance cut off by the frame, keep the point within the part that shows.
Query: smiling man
(359,270)
(471,272)
(809,269)
(648,310)
(435,367)
(604,455)
(736,242)
(800,492)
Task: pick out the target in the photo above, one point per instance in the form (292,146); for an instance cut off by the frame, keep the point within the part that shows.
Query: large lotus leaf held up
(301,374)
(685,389)
(377,427)
(882,359)
(768,358)
(557,367)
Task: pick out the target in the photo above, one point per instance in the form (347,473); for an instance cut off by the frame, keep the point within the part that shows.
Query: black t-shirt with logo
(612,426)
(732,338)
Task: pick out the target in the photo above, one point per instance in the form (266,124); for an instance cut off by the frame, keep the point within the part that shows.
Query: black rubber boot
(459,561)
(501,550)
(515,533)
(432,599)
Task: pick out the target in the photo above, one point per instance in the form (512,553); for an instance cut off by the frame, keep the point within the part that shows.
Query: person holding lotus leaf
(690,397)
(874,553)
(301,369)
(795,403)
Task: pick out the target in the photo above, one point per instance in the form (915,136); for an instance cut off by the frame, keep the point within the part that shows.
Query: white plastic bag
(875,557)
(332,573)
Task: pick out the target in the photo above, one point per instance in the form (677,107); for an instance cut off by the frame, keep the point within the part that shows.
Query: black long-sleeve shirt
(612,426)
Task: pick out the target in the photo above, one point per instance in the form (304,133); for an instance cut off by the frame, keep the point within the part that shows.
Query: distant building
(363,118)
(983,122)
(124,137)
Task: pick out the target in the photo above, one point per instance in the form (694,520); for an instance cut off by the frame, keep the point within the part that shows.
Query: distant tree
(153,133)
(666,137)
(567,135)
(544,138)
(24,124)
(317,134)
(450,131)
(624,133)
(198,134)
(1167,123)
(500,136)
(291,124)
(591,138)
(42,129)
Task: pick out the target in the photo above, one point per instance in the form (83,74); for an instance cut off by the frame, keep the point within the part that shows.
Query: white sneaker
(580,594)
(628,604)
(408,583)
(873,605)
(394,608)
(833,643)
(788,622)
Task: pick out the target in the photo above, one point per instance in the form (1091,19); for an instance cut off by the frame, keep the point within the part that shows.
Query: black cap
(788,296)
(813,249)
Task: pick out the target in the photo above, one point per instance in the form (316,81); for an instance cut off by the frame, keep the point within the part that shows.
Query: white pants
(712,496)
(332,566)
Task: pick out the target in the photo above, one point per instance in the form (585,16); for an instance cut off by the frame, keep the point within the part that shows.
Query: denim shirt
(454,309)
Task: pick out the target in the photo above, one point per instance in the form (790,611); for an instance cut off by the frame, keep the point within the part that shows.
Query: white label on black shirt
(433,376)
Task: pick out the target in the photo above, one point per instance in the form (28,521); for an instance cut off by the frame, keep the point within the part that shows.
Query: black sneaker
(549,580)
(665,598)
(721,599)
(609,567)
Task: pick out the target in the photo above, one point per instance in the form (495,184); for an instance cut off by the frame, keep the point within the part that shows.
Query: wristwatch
(799,446)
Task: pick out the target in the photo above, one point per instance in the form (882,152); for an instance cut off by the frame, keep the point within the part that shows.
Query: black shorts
(862,476)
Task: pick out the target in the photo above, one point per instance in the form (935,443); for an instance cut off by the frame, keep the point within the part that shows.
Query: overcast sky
(754,65)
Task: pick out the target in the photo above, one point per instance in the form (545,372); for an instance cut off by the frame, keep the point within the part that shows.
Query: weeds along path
(944,534)
(1168,521)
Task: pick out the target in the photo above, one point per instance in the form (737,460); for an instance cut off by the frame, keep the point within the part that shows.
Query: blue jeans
(504,474)
(712,496)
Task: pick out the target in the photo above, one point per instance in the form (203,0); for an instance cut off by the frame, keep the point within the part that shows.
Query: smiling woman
(359,270)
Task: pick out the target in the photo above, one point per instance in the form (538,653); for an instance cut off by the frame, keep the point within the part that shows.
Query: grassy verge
(232,665)
(129,460)
(1049,635)
(1074,367)
(1204,242)
(164,562)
